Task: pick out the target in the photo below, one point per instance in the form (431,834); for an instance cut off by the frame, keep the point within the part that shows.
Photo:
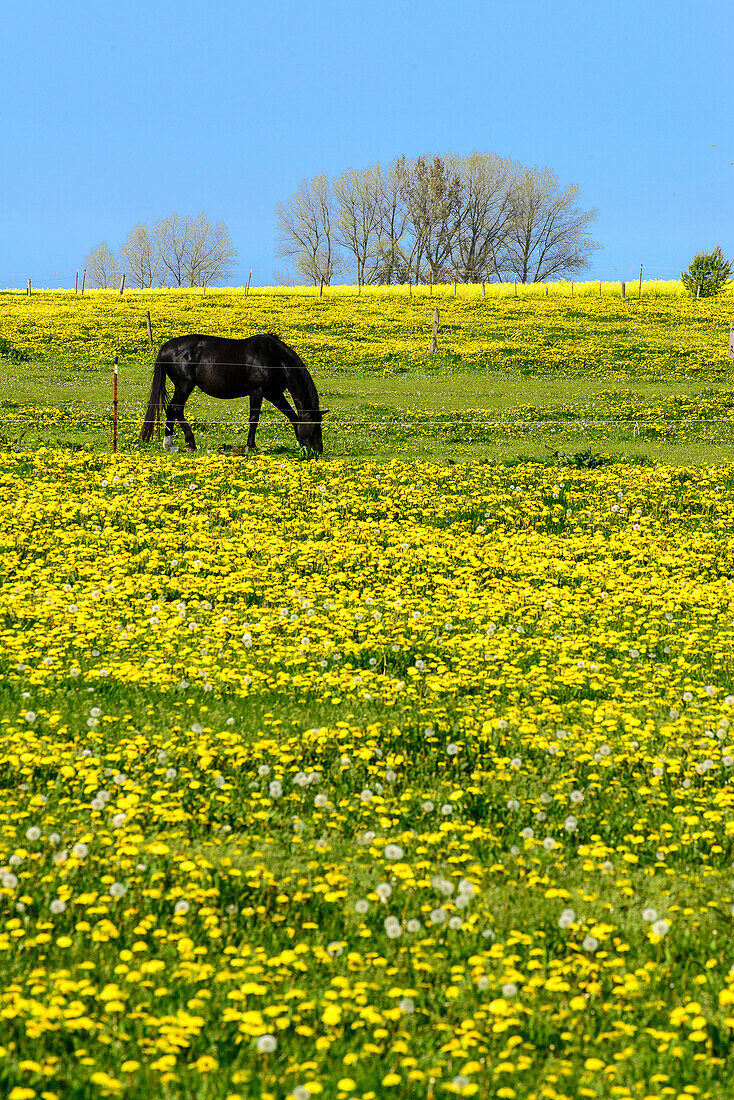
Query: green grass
(447,415)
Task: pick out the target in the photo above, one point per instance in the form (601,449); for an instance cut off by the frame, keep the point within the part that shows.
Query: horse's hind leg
(256,400)
(168,430)
(188,434)
(175,412)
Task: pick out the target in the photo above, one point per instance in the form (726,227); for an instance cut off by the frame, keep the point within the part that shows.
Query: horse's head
(309,429)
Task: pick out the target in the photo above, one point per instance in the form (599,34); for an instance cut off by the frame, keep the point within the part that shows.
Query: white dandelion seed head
(266,1044)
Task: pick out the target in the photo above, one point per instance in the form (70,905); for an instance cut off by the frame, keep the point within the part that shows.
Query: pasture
(405,772)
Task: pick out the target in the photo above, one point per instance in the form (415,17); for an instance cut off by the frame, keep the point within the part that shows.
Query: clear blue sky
(115,113)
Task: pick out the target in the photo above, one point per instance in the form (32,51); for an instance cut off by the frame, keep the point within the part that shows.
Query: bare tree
(393,222)
(479,216)
(548,232)
(358,218)
(103,270)
(306,230)
(486,211)
(192,251)
(140,255)
(434,207)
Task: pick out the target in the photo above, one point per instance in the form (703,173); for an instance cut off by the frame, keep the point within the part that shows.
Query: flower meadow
(361,780)
(581,330)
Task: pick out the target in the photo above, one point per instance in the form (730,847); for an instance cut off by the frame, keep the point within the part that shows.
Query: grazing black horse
(259,367)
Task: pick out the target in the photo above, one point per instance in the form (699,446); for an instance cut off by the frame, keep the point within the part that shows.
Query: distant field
(518,374)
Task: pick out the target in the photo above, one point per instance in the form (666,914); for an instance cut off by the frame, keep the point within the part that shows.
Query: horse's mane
(300,382)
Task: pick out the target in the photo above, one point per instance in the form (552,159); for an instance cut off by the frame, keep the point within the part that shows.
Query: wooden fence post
(114,412)
(546,292)
(76,284)
(28,291)
(639,292)
(454,286)
(247,288)
(150,327)
(731,339)
(434,334)
(484,291)
(622,290)
(122,283)
(698,289)
(84,279)
(321,289)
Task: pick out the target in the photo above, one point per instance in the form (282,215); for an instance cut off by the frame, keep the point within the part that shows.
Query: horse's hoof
(190,446)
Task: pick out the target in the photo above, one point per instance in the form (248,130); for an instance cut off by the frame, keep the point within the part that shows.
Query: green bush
(707,270)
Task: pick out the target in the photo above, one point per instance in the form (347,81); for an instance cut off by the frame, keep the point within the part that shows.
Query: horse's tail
(158,400)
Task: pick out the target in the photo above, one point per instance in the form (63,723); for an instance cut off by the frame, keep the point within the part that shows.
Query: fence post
(434,334)
(76,284)
(321,289)
(150,327)
(28,291)
(622,290)
(247,288)
(122,283)
(484,291)
(546,292)
(731,339)
(84,279)
(454,285)
(639,293)
(698,289)
(114,412)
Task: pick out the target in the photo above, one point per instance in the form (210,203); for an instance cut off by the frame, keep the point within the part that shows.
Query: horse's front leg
(256,400)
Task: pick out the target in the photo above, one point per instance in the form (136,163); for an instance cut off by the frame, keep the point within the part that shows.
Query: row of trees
(175,252)
(477,217)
